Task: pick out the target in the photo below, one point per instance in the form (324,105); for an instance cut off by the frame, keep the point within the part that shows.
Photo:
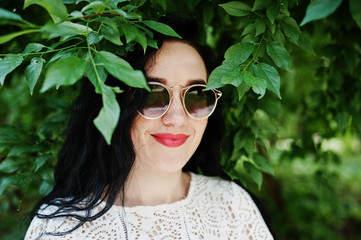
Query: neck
(147,188)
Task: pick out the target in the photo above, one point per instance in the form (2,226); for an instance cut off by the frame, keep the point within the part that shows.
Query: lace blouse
(213,209)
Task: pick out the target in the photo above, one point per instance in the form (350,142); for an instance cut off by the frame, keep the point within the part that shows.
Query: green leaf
(32,72)
(279,37)
(243,140)
(260,4)
(141,39)
(260,26)
(279,55)
(41,160)
(65,29)
(249,29)
(319,9)
(152,43)
(215,78)
(17,180)
(131,33)
(273,11)
(355,9)
(11,164)
(76,14)
(270,74)
(236,8)
(93,76)
(305,44)
(7,65)
(258,85)
(263,164)
(342,119)
(97,6)
(10,36)
(55,8)
(45,188)
(122,70)
(7,15)
(111,35)
(161,28)
(33,47)
(256,175)
(233,77)
(291,28)
(66,71)
(242,89)
(238,53)
(108,116)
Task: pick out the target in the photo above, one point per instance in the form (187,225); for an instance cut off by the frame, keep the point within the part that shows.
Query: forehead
(177,63)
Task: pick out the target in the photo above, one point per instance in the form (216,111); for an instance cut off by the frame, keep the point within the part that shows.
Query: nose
(176,115)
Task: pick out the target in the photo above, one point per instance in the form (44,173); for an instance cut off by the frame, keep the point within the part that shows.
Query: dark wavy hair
(88,170)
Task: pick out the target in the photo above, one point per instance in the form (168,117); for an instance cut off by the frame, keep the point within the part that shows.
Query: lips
(170,140)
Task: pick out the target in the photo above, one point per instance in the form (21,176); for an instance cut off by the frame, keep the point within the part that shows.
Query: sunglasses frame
(217,94)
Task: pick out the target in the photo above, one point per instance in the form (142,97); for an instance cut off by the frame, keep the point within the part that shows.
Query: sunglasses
(197,102)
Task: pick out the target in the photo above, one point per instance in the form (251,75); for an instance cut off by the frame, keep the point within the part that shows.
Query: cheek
(201,127)
(137,131)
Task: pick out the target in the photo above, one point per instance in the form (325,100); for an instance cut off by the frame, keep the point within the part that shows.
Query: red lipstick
(170,140)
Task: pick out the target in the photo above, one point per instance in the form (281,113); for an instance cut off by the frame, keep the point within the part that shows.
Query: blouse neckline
(180,202)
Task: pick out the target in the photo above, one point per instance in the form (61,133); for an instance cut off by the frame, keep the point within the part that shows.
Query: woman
(144,185)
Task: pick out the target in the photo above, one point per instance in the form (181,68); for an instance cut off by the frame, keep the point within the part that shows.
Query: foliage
(51,46)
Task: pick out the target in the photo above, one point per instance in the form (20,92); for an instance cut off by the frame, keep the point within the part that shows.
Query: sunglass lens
(157,102)
(199,103)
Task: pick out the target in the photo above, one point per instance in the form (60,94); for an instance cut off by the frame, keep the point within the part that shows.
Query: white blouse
(213,209)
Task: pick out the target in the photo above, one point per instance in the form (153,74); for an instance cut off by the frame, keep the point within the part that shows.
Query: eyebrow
(164,81)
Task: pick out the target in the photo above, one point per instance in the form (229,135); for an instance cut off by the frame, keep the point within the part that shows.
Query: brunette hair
(88,170)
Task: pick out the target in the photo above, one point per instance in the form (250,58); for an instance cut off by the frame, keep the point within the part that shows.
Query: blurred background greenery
(312,135)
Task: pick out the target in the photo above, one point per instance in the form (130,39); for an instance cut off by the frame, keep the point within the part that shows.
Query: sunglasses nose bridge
(171,93)
(171,90)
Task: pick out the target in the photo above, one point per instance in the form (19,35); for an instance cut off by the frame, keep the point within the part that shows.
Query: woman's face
(167,143)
